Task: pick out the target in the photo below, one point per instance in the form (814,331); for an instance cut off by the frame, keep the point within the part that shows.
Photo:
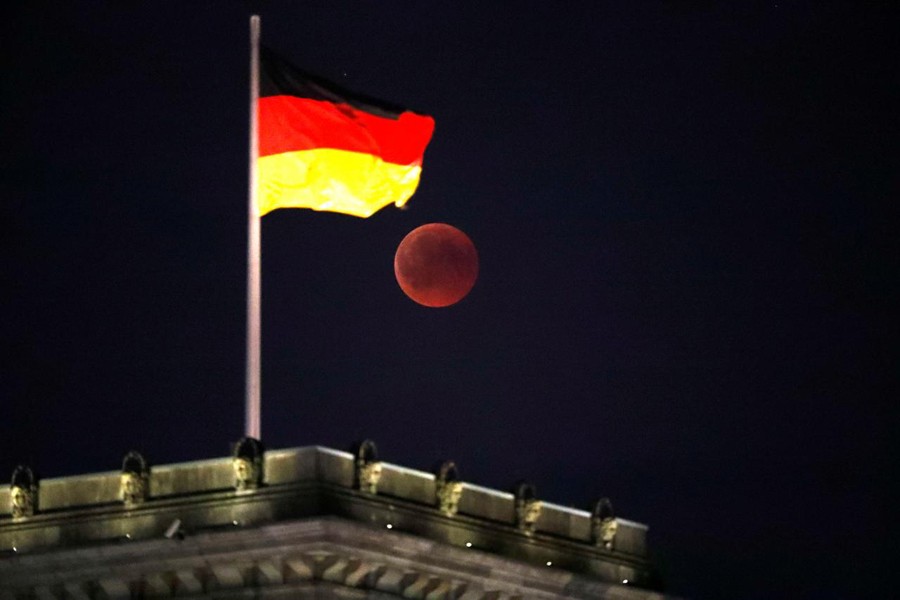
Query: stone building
(306,523)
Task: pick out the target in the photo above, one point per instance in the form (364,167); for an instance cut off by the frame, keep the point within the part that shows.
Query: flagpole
(254,279)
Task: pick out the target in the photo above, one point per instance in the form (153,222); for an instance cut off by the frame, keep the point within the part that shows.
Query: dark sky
(681,215)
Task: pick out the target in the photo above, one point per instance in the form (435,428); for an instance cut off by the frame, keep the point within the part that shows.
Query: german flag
(325,148)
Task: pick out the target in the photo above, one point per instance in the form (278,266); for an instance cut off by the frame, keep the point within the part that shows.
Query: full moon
(436,265)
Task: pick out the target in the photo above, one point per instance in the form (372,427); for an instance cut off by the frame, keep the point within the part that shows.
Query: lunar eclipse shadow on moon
(436,265)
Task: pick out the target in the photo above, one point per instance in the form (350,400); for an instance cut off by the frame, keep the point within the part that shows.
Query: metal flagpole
(252,398)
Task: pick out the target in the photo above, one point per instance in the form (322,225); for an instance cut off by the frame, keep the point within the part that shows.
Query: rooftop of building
(256,488)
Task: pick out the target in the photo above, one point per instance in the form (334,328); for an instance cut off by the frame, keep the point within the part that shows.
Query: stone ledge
(310,482)
(278,556)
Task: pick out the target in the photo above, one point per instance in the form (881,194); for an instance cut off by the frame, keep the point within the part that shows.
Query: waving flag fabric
(324,148)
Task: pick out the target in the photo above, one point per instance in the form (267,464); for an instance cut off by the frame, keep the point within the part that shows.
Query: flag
(324,148)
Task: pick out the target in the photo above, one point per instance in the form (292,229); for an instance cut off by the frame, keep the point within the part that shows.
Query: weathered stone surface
(306,527)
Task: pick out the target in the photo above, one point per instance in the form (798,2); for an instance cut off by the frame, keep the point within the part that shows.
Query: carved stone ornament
(134,483)
(603,524)
(23,491)
(247,462)
(528,508)
(368,467)
(448,488)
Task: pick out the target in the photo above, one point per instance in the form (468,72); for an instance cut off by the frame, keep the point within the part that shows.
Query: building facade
(306,523)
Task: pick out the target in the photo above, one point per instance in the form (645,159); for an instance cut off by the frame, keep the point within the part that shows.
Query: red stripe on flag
(289,123)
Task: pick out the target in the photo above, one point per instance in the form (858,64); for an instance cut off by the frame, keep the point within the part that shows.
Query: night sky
(680,210)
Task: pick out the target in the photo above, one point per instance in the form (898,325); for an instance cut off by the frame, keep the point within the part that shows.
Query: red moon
(436,265)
